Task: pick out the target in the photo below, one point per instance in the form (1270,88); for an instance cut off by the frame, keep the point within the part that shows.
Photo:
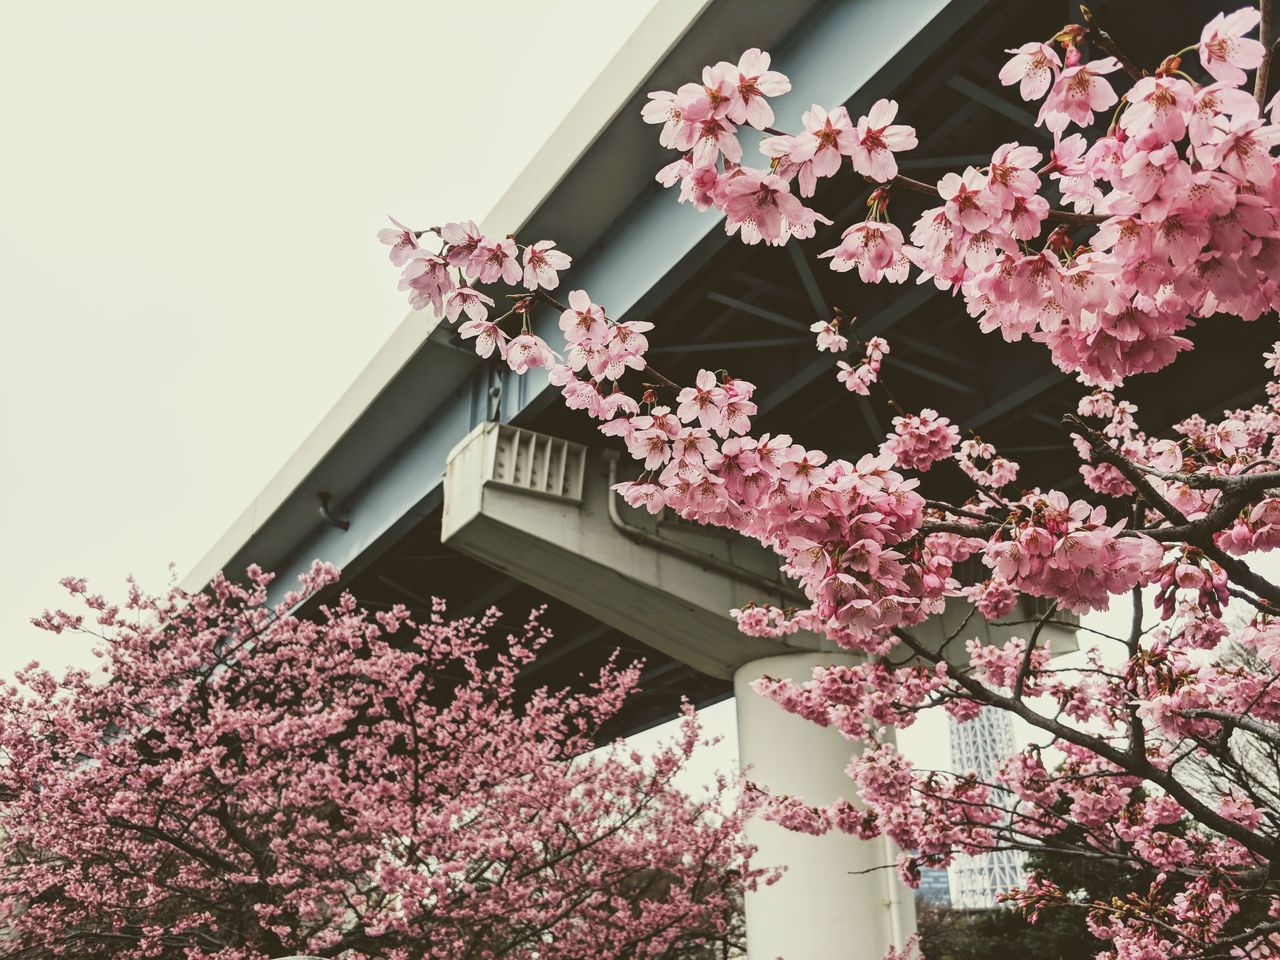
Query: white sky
(189,275)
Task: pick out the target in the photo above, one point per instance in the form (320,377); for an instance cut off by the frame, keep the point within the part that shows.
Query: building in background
(978,745)
(935,887)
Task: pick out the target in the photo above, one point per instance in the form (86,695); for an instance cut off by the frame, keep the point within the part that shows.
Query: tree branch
(1263,77)
(919,186)
(1199,533)
(1108,45)
(1195,807)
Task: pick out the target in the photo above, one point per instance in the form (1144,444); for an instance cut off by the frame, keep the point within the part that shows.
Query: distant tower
(979,745)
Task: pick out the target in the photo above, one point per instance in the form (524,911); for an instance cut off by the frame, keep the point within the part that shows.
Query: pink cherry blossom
(467,300)
(1159,104)
(488,336)
(426,276)
(968,203)
(664,108)
(526,351)
(584,320)
(829,336)
(702,402)
(400,239)
(1225,52)
(760,206)
(462,240)
(1077,93)
(494,260)
(754,83)
(709,135)
(817,151)
(541,263)
(874,248)
(312,784)
(877,138)
(1033,67)
(920,440)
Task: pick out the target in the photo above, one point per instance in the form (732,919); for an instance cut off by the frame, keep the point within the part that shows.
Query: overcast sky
(189,275)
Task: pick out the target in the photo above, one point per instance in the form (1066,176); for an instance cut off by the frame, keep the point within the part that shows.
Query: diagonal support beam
(809,281)
(997,104)
(1024,395)
(897,310)
(731,345)
(950,358)
(564,649)
(946,162)
(756,311)
(489,597)
(932,376)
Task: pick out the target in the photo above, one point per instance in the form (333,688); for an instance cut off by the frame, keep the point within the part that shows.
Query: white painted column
(820,909)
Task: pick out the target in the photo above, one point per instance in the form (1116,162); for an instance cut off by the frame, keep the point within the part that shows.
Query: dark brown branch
(1137,733)
(1198,533)
(957,511)
(1267,731)
(1263,77)
(1108,45)
(1198,810)
(1024,668)
(960,529)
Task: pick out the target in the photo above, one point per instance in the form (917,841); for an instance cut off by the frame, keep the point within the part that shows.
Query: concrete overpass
(371,490)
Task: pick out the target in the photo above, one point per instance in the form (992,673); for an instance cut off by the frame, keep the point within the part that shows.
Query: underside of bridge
(750,307)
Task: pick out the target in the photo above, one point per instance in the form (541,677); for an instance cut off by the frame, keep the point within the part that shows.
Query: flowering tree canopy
(1157,207)
(248,783)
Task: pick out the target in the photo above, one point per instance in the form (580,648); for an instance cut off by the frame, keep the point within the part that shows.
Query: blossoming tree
(1157,207)
(248,783)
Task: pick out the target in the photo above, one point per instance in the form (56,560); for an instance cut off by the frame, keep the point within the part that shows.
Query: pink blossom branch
(1062,216)
(544,297)
(1267,731)
(1138,766)
(1199,532)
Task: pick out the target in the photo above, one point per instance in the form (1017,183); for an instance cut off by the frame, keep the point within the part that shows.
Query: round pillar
(821,908)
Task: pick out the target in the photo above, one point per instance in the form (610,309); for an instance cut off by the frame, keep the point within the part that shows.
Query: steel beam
(821,309)
(896,362)
(560,650)
(764,313)
(998,104)
(730,345)
(944,163)
(1020,397)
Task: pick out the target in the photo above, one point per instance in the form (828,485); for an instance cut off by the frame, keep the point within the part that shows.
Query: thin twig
(544,297)
(1108,45)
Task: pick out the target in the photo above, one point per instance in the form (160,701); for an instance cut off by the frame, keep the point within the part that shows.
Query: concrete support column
(820,909)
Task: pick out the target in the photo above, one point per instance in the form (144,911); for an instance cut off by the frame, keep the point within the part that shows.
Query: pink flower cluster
(984,466)
(251,784)
(1188,226)
(875,249)
(701,121)
(448,279)
(1068,551)
(859,378)
(919,440)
